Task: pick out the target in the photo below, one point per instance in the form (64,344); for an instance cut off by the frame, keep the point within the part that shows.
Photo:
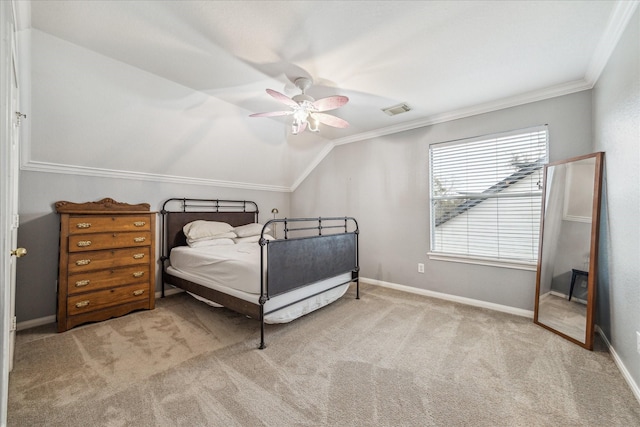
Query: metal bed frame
(313,249)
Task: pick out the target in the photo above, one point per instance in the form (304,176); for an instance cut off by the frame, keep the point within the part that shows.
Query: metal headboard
(177,212)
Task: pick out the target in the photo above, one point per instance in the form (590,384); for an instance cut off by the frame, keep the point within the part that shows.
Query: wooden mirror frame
(593,249)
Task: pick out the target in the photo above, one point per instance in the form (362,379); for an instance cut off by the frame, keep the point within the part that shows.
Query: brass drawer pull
(139,239)
(84,243)
(138,256)
(81,283)
(83,262)
(138,274)
(138,292)
(82,304)
(139,223)
(83,225)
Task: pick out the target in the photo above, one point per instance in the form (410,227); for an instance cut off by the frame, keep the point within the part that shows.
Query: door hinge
(14,324)
(19,117)
(16,221)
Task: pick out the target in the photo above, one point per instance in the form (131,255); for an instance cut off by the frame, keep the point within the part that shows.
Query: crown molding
(526,98)
(36,166)
(620,17)
(559,90)
(513,101)
(316,161)
(618,21)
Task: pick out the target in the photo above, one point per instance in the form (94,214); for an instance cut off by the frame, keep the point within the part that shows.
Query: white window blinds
(486,195)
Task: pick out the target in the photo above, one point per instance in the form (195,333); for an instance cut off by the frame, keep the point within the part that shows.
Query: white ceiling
(441,57)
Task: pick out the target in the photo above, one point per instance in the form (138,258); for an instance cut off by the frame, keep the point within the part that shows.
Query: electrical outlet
(420,267)
(638,341)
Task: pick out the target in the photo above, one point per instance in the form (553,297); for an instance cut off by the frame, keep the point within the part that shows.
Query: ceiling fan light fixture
(306,112)
(303,98)
(296,126)
(397,109)
(313,124)
(300,114)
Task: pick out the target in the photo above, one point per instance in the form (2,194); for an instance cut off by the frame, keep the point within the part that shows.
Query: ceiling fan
(307,112)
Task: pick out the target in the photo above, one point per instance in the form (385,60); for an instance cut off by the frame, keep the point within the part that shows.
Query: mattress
(232,266)
(235,270)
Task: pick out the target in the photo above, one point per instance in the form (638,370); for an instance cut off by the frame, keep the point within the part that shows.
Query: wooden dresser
(106,265)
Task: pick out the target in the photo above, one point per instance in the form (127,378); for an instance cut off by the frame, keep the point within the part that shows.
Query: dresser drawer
(106,265)
(92,242)
(94,280)
(96,260)
(85,303)
(100,224)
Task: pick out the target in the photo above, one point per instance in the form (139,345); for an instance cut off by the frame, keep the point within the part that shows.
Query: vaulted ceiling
(444,59)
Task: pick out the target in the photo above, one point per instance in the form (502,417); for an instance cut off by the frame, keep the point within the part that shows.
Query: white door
(10,120)
(14,173)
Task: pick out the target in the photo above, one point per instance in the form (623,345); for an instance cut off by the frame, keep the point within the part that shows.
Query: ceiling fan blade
(330,120)
(282,98)
(272,114)
(330,103)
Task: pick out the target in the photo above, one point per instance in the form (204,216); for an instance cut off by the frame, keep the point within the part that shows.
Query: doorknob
(19,253)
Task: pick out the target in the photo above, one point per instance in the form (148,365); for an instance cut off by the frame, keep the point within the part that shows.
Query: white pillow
(200,229)
(250,230)
(229,235)
(251,239)
(210,242)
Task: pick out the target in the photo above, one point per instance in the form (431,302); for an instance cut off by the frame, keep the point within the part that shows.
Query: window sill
(491,262)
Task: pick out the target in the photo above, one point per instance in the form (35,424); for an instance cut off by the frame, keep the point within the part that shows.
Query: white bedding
(235,270)
(232,266)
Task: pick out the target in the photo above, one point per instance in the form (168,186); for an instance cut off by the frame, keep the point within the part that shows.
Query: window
(486,197)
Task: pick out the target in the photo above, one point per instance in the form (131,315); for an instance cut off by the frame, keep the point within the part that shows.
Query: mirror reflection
(565,288)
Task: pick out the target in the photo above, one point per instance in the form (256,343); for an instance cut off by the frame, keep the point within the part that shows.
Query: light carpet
(388,359)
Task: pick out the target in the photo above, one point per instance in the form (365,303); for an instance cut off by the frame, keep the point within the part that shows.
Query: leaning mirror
(568,254)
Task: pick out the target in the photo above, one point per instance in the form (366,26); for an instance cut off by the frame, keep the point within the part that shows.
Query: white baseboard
(469,301)
(517,311)
(28,324)
(454,298)
(623,369)
(564,296)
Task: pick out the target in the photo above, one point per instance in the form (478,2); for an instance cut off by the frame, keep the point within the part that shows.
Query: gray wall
(616,114)
(39,224)
(90,112)
(383,183)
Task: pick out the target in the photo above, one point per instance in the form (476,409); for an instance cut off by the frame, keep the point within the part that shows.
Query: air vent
(396,109)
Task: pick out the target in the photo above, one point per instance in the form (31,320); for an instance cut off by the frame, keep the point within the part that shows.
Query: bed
(273,272)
